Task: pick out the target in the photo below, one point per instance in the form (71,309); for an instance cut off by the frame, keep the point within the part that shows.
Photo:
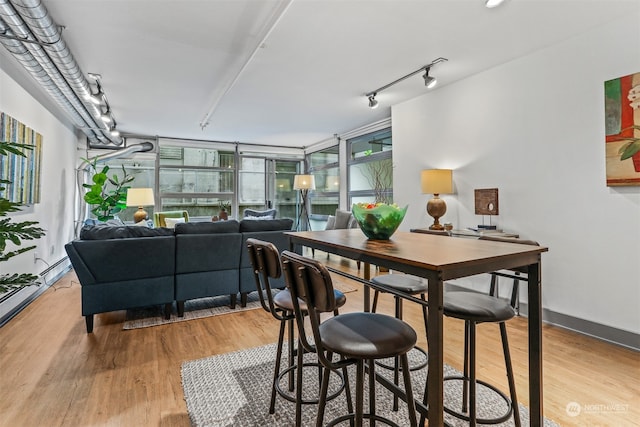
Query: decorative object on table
(107,202)
(436,182)
(486,201)
(622,127)
(304,183)
(225,208)
(378,221)
(140,197)
(14,232)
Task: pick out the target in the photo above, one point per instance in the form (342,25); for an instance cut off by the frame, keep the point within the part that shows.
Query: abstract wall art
(23,172)
(622,126)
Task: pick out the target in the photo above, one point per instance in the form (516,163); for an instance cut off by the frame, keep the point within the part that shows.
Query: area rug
(233,389)
(199,308)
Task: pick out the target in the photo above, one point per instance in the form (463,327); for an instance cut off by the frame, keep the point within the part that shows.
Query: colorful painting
(622,125)
(23,172)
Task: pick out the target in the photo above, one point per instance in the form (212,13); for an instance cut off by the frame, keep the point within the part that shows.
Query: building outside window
(324,166)
(370,166)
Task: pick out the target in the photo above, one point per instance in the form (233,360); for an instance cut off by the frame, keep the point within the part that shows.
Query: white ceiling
(166,65)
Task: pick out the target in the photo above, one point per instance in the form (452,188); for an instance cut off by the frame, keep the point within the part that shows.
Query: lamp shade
(304,182)
(437,181)
(140,197)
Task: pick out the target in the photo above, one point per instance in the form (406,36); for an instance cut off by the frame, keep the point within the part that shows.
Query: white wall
(534,128)
(55,211)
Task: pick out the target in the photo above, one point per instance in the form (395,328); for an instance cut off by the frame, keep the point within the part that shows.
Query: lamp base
(140,215)
(436,208)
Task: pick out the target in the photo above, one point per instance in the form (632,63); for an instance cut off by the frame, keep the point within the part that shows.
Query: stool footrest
(464,417)
(292,398)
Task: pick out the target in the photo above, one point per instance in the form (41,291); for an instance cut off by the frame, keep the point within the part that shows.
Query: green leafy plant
(15,232)
(107,194)
(631,147)
(225,205)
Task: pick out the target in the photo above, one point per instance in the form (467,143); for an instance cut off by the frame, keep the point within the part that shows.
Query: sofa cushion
(105,232)
(266,225)
(207,227)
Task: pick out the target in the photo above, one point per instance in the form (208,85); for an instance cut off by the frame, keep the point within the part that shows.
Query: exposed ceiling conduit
(51,63)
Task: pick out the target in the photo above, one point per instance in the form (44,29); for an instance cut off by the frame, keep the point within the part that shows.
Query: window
(370,167)
(141,167)
(324,166)
(196,179)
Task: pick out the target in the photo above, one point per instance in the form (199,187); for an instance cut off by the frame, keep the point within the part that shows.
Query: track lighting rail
(371,95)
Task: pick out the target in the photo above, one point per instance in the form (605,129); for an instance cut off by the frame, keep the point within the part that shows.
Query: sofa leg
(180,305)
(89,322)
(167,310)
(243,299)
(234,299)
(358,264)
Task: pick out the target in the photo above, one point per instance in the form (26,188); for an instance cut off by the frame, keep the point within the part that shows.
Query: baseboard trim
(23,304)
(586,327)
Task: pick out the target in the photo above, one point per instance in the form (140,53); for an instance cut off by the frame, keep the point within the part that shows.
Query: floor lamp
(304,183)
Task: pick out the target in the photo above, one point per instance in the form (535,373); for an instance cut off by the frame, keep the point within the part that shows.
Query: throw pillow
(142,223)
(253,212)
(259,217)
(171,222)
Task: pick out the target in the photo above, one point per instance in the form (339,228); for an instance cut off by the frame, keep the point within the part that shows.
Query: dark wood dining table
(438,259)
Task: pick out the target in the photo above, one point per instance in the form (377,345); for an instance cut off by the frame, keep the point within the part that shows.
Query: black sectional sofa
(127,266)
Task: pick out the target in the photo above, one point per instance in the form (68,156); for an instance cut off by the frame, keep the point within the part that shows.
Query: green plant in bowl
(378,221)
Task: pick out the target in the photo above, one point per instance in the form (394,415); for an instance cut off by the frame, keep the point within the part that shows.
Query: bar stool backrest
(265,261)
(518,271)
(309,281)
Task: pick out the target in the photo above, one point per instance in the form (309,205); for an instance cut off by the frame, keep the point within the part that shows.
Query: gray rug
(233,389)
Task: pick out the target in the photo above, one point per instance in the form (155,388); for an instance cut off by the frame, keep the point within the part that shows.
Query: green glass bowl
(378,223)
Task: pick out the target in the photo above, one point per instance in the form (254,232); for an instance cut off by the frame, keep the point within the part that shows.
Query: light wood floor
(52,373)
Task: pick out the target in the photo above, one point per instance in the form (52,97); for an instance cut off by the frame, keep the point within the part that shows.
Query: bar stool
(355,337)
(409,285)
(265,260)
(476,308)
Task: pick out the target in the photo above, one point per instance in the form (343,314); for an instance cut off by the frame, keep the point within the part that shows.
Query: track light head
(114,132)
(492,3)
(106,116)
(96,98)
(429,81)
(372,101)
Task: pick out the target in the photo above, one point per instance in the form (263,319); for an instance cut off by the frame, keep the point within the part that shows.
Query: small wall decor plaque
(486,201)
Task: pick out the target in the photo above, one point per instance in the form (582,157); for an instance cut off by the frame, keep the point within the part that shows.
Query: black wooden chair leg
(180,305)
(88,319)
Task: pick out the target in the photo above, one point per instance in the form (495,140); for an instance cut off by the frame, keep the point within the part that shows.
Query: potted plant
(225,208)
(15,232)
(107,202)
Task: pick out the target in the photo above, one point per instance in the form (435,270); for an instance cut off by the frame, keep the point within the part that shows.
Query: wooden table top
(450,256)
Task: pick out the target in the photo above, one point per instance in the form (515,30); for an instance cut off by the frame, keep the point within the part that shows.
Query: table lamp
(140,197)
(304,183)
(436,182)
